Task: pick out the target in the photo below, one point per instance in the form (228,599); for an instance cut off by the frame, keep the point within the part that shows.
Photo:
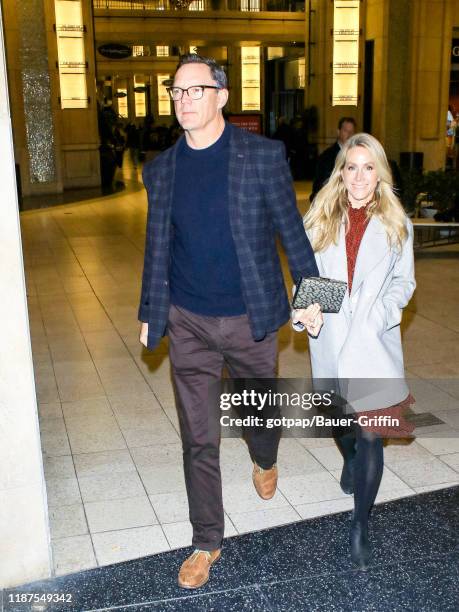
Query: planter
(428,212)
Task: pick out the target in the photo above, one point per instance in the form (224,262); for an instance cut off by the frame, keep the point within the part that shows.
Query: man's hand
(311,317)
(144,334)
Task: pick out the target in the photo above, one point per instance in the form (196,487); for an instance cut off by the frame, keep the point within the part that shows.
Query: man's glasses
(195,92)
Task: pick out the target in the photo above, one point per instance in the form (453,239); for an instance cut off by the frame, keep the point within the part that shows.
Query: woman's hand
(311,317)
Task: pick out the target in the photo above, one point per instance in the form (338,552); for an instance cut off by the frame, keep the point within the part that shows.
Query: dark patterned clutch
(326,292)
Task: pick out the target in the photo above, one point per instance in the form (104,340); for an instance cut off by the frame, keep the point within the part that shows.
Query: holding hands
(311,317)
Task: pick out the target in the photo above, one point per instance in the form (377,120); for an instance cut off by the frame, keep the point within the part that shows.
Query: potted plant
(411,187)
(441,188)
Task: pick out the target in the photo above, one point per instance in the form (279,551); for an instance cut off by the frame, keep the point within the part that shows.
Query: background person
(212,276)
(326,160)
(360,234)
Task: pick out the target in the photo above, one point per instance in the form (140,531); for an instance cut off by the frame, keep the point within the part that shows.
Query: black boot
(360,546)
(347,477)
(346,443)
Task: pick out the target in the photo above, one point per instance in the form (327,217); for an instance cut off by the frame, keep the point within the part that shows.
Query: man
(212,277)
(326,160)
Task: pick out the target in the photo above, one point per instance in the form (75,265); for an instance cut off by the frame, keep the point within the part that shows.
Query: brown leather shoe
(195,570)
(265,481)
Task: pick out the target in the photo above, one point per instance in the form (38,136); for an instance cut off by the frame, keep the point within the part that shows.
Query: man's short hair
(346,120)
(217,72)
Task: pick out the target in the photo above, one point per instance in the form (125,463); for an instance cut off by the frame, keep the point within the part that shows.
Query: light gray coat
(363,340)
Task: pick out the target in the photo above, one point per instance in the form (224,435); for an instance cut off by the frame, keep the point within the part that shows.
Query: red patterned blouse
(357,225)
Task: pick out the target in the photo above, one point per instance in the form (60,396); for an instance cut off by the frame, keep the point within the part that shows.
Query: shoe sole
(198,586)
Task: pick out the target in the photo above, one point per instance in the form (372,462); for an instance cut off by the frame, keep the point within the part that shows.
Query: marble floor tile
(310,443)
(159,455)
(434,487)
(147,429)
(241,496)
(441,446)
(54,439)
(328,456)
(93,434)
(105,487)
(67,521)
(117,546)
(450,417)
(45,383)
(263,519)
(118,514)
(62,492)
(294,460)
(170,507)
(451,460)
(87,408)
(166,478)
(107,462)
(397,453)
(51,410)
(390,482)
(313,487)
(68,348)
(73,554)
(125,404)
(77,380)
(323,508)
(426,472)
(59,467)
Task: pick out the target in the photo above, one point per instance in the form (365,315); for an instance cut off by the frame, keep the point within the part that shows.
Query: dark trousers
(199,347)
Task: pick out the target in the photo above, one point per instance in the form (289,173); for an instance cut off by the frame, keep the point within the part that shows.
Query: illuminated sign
(346,35)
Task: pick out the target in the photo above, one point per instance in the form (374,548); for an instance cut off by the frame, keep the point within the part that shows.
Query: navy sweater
(205,276)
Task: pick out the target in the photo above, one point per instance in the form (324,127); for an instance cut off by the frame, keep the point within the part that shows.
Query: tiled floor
(108,423)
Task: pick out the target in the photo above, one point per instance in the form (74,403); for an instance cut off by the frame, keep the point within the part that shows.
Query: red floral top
(357,225)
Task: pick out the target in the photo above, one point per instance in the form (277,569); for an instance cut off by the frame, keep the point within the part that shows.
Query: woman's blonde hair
(329,208)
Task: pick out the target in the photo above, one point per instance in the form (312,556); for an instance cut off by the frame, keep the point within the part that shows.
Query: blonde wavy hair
(330,206)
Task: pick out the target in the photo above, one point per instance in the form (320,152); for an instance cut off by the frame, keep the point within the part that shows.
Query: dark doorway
(368,85)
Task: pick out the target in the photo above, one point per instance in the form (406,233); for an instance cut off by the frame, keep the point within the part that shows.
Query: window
(164,101)
(123,109)
(139,96)
(162,50)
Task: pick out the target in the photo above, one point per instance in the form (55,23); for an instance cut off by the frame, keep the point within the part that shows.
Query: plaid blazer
(262,206)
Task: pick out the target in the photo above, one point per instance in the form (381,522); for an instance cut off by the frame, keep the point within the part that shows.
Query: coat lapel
(333,261)
(237,163)
(373,248)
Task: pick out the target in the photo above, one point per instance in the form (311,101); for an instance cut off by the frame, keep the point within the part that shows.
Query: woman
(360,234)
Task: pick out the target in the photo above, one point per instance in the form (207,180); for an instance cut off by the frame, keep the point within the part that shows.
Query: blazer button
(166,283)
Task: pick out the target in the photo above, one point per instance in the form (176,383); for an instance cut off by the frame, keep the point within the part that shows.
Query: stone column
(32,94)
(55,148)
(24,532)
(78,129)
(431,28)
